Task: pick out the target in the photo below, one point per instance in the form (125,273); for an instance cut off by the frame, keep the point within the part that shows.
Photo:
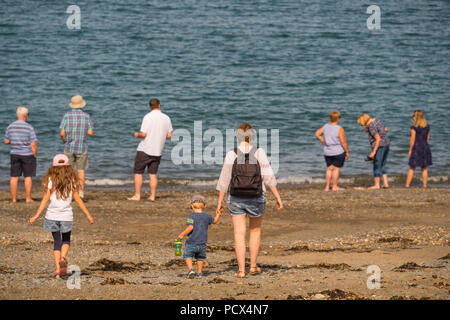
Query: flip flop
(57,276)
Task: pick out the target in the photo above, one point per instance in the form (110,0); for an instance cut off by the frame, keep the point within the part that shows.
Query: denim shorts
(253,207)
(54,226)
(197,251)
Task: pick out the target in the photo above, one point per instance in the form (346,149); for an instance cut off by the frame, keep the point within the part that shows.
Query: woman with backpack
(245,172)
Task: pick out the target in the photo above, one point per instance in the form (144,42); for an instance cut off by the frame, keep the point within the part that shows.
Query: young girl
(60,184)
(419,150)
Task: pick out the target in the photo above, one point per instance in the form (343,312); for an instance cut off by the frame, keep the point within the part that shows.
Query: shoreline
(318,247)
(187,184)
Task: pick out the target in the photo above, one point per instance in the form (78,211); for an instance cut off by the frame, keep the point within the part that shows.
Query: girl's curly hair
(64,180)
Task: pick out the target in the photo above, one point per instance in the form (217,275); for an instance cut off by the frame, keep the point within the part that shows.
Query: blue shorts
(54,226)
(253,207)
(197,251)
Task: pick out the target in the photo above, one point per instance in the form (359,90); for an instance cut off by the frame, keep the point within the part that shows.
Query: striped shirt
(76,123)
(20,134)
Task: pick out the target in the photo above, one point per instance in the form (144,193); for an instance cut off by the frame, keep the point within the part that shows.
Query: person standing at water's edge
(75,126)
(335,149)
(245,172)
(379,142)
(419,149)
(22,138)
(155,129)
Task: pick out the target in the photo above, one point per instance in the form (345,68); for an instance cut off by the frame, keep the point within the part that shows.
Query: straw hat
(77,102)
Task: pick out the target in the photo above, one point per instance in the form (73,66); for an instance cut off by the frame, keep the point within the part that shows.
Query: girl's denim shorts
(253,207)
(54,226)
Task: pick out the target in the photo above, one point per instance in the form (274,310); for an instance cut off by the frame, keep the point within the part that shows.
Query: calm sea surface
(275,64)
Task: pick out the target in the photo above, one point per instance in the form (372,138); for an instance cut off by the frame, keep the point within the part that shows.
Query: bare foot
(373,188)
(29,200)
(151,199)
(134,198)
(14,200)
(338,189)
(385,187)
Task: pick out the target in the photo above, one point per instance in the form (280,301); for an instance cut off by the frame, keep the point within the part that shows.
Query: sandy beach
(318,247)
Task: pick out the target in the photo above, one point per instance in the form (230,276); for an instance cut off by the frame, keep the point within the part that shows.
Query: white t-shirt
(59,209)
(156,125)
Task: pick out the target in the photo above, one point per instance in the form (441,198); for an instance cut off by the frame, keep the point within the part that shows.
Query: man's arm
(62,133)
(169,135)
(90,132)
(141,135)
(34,148)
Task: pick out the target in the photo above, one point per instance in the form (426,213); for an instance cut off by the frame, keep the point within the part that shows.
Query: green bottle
(178,245)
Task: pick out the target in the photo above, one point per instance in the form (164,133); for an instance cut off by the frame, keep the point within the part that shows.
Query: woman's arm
(319,135)
(377,144)
(80,202)
(344,142)
(277,197)
(218,214)
(220,202)
(411,142)
(185,232)
(42,206)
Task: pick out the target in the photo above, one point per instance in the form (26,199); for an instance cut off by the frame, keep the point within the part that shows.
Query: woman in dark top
(419,150)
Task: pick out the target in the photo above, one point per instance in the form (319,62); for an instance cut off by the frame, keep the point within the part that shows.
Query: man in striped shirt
(75,126)
(21,137)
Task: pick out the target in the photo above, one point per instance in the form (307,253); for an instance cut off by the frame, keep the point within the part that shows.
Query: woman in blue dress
(419,149)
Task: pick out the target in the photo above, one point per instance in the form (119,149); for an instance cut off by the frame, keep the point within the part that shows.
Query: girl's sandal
(57,276)
(255,270)
(240,274)
(63,266)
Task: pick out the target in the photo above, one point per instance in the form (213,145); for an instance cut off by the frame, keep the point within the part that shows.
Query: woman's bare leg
(335,178)
(255,239)
(328,175)
(424,177)
(240,225)
(409,177)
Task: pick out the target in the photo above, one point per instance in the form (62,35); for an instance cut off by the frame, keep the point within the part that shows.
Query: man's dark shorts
(143,161)
(25,165)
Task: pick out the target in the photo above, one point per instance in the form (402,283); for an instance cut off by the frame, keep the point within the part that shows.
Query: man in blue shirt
(21,137)
(197,231)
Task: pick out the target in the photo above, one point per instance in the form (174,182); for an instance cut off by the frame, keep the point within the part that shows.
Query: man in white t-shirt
(155,129)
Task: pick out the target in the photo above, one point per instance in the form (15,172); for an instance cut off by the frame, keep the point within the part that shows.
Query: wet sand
(318,247)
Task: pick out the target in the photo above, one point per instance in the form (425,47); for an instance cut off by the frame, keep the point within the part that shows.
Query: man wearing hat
(75,126)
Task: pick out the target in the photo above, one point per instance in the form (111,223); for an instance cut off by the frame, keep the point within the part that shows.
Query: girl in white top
(60,184)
